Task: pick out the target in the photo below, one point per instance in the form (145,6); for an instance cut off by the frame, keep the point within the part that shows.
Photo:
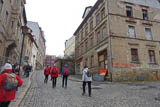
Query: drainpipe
(109,39)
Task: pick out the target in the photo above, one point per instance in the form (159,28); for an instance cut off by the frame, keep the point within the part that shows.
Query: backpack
(89,74)
(54,71)
(66,71)
(10,82)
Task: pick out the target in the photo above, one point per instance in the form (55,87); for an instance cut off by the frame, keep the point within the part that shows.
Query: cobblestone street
(103,94)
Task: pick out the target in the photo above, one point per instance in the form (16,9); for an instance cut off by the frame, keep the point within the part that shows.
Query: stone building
(121,36)
(39,38)
(12,17)
(27,49)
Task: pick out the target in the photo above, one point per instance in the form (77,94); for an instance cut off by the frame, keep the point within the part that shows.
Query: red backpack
(66,71)
(54,71)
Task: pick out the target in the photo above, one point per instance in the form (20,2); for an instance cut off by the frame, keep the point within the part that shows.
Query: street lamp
(25,30)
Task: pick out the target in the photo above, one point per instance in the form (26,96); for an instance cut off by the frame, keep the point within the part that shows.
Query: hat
(7,66)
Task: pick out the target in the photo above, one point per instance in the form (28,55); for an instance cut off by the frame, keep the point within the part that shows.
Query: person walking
(65,74)
(28,70)
(86,78)
(8,89)
(46,73)
(54,74)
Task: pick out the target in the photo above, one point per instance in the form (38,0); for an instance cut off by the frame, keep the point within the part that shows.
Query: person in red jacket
(7,96)
(54,74)
(46,73)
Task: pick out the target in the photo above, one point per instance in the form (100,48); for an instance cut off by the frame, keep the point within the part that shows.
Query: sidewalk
(21,90)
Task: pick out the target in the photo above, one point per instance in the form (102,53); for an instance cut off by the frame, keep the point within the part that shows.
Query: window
(86,45)
(132,32)
(152,56)
(145,14)
(134,55)
(86,31)
(103,13)
(97,19)
(92,61)
(6,17)
(91,42)
(12,24)
(98,37)
(91,25)
(148,34)
(82,34)
(82,49)
(104,33)
(129,11)
(1,4)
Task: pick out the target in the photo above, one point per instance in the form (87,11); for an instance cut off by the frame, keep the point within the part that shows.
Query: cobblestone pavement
(20,90)
(103,95)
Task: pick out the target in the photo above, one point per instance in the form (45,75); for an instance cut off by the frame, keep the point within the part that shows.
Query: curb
(23,93)
(74,80)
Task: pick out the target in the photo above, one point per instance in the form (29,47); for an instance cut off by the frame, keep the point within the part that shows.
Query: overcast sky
(58,18)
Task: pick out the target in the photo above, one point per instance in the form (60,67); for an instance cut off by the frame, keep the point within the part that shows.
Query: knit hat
(7,66)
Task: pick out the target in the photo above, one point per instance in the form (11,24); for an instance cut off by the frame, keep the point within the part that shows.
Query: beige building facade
(12,17)
(70,48)
(122,38)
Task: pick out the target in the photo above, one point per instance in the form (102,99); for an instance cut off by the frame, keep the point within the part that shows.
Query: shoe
(83,94)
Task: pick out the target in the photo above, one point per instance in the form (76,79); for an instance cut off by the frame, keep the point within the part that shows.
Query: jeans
(4,104)
(65,77)
(54,80)
(89,87)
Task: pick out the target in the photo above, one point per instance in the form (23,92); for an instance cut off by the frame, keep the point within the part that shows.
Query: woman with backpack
(86,78)
(8,89)
(54,74)
(46,73)
(65,74)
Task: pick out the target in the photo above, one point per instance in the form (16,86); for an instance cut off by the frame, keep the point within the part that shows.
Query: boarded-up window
(152,56)
(148,34)
(132,32)
(134,55)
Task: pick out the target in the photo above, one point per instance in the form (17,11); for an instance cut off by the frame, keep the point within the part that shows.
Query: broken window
(148,34)
(132,32)
(145,14)
(152,56)
(134,55)
(129,11)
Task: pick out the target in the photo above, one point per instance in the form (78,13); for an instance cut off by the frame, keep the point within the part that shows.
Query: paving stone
(106,95)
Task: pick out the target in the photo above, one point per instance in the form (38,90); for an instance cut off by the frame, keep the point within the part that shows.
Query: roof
(85,11)
(88,16)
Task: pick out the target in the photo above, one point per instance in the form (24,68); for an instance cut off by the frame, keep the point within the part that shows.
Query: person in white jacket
(86,79)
